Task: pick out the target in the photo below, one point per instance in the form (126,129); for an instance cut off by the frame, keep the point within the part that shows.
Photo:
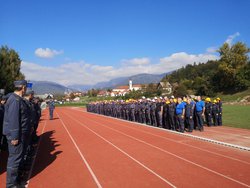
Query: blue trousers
(159,118)
(190,123)
(180,122)
(13,164)
(199,120)
(51,113)
(220,118)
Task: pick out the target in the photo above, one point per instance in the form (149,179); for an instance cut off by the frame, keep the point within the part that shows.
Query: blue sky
(85,42)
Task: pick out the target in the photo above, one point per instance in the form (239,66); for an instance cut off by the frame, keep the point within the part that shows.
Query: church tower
(130,85)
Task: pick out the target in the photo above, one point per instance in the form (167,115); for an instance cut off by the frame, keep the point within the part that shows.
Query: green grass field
(236,116)
(234,97)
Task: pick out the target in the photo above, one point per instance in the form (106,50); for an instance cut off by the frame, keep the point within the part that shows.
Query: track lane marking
(129,156)
(186,160)
(80,153)
(146,132)
(179,142)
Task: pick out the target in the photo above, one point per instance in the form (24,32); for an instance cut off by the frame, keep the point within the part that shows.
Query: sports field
(80,149)
(236,116)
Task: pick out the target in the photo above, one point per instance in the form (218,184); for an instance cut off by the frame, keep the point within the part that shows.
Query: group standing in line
(20,113)
(178,114)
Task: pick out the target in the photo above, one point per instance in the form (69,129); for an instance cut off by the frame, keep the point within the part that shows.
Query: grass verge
(236,116)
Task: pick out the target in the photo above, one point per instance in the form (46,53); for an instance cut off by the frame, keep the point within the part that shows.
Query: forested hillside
(229,74)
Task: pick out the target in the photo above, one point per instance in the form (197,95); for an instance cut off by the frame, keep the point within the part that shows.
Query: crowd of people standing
(178,114)
(20,113)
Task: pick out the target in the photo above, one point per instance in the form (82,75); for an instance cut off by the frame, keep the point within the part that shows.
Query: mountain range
(42,87)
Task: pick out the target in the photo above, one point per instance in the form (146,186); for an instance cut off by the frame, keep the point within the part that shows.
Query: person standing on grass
(51,109)
(200,109)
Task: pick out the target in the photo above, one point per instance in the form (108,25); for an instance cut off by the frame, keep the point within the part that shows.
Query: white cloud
(85,73)
(230,38)
(136,61)
(180,59)
(212,49)
(47,53)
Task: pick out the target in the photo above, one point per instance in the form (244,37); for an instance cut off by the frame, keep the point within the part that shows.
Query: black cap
(20,83)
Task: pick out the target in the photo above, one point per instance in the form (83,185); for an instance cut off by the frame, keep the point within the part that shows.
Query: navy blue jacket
(189,110)
(12,120)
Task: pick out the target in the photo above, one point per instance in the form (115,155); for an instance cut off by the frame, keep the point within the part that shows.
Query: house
(123,90)
(103,93)
(166,87)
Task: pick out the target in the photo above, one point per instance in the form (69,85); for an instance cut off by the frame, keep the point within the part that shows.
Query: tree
(234,56)
(230,74)
(181,90)
(9,68)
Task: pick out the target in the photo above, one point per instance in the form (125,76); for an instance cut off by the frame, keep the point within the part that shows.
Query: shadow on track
(3,161)
(46,154)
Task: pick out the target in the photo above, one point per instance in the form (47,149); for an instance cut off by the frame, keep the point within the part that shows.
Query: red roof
(122,87)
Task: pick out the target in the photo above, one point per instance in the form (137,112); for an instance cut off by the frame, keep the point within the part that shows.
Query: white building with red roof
(123,90)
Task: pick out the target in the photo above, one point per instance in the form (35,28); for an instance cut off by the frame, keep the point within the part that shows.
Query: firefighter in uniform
(15,130)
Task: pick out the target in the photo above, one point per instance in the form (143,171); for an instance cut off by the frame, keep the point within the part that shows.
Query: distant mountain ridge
(136,79)
(42,87)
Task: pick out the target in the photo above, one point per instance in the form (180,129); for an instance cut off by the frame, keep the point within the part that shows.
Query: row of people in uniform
(180,114)
(20,115)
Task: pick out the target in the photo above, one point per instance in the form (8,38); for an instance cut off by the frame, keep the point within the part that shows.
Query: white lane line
(182,134)
(83,158)
(165,151)
(34,160)
(188,145)
(186,160)
(129,156)
(226,133)
(172,139)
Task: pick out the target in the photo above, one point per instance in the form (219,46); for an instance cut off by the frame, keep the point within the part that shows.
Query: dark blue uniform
(171,115)
(180,116)
(220,113)
(147,112)
(199,112)
(1,123)
(215,113)
(208,113)
(51,109)
(159,110)
(189,111)
(153,115)
(13,128)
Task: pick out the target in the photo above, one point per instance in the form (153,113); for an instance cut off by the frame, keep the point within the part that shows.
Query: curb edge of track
(183,134)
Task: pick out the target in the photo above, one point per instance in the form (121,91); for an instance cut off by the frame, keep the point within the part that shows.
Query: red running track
(79,149)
